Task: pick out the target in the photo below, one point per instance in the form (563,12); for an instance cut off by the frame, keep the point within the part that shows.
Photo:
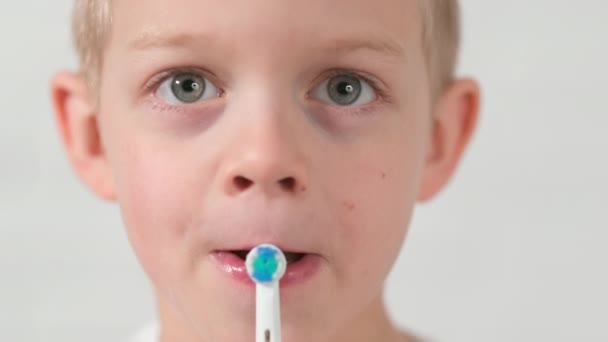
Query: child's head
(314,125)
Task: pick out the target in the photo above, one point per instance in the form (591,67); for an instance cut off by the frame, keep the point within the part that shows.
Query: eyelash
(154,83)
(382,95)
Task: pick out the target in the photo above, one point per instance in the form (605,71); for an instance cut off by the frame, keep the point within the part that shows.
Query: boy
(312,125)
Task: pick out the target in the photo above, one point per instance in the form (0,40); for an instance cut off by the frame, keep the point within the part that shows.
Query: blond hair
(441,41)
(441,38)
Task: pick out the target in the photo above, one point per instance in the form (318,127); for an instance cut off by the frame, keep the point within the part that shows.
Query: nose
(266,158)
(242,183)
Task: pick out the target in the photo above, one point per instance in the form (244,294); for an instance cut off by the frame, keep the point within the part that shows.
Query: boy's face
(226,124)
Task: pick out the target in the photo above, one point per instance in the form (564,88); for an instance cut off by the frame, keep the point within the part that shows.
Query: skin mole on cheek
(383,175)
(349,205)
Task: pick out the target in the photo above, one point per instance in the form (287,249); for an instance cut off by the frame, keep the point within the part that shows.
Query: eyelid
(152,85)
(377,85)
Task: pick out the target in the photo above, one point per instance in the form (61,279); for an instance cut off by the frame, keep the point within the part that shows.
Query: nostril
(242,183)
(288,183)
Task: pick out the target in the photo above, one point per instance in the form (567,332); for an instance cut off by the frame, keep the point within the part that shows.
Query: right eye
(346,90)
(186,88)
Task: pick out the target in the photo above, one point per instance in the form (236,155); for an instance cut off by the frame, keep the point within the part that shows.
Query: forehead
(389,25)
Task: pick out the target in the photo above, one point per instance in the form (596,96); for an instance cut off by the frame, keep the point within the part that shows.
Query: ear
(78,124)
(454,120)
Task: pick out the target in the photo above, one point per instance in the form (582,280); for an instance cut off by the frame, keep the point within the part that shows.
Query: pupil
(345,88)
(190,85)
(188,88)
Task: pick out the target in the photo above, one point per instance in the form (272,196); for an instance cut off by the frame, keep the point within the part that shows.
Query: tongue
(241,254)
(290,257)
(293,257)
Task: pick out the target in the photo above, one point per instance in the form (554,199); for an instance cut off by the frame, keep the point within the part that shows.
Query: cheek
(153,206)
(376,205)
(375,218)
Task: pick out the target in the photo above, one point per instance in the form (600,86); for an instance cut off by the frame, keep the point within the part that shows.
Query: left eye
(345,90)
(185,88)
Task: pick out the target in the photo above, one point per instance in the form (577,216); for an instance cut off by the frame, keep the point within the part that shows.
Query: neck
(373,324)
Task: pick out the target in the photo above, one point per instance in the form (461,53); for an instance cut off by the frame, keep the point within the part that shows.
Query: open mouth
(289,256)
(301,267)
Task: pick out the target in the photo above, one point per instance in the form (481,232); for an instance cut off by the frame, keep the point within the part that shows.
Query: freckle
(383,175)
(349,205)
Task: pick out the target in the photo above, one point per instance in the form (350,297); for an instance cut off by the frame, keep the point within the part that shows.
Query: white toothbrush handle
(267,313)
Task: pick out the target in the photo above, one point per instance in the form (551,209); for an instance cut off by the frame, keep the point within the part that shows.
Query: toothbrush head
(265,264)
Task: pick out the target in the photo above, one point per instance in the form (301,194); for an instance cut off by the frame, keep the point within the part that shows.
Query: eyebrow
(382,46)
(157,38)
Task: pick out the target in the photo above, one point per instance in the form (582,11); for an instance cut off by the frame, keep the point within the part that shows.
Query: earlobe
(78,125)
(454,122)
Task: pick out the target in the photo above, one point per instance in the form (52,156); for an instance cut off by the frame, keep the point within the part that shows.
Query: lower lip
(296,273)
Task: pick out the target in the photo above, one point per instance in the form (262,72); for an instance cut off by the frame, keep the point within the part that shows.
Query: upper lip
(286,248)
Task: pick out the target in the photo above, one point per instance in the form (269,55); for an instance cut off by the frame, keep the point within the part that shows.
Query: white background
(514,250)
